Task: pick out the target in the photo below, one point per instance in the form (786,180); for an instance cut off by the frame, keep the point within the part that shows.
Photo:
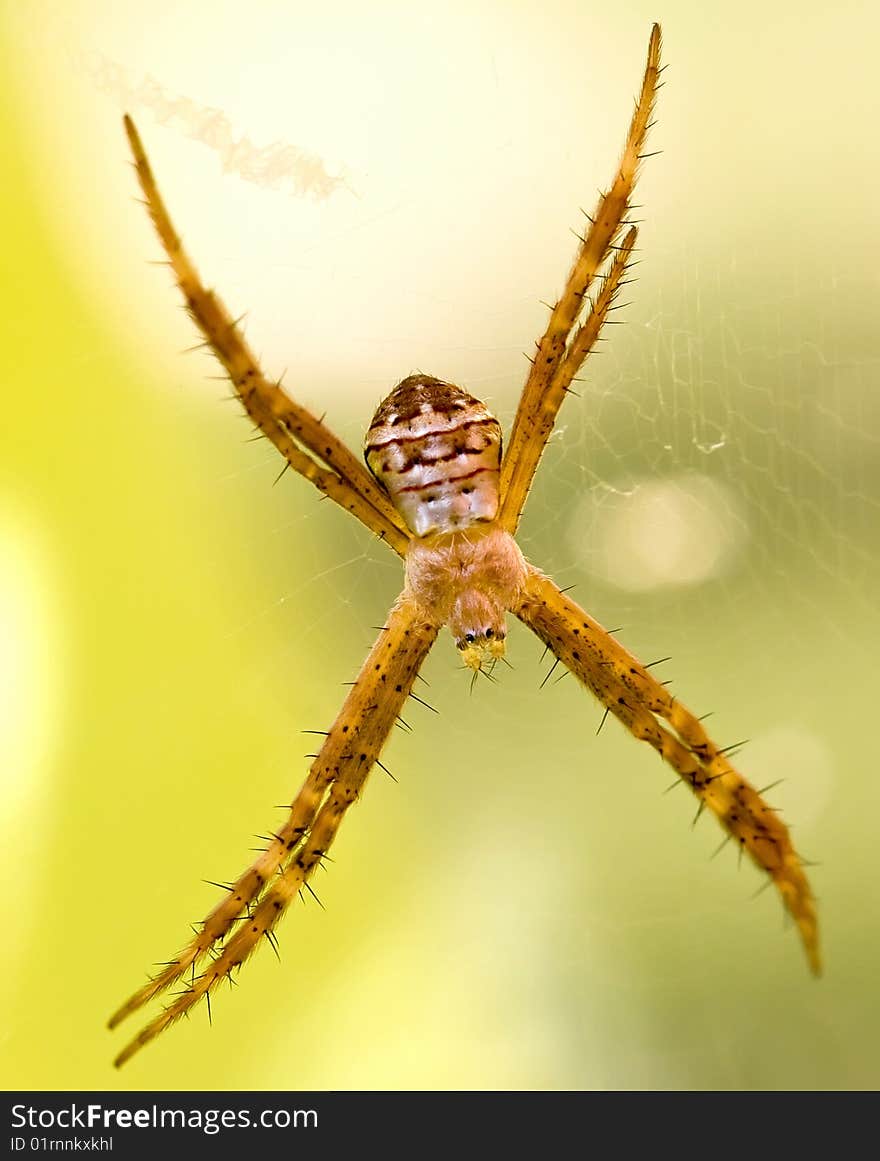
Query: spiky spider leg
(335,780)
(558,356)
(635,698)
(307,444)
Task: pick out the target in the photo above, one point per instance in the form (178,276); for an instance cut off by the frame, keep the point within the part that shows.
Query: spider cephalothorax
(468,580)
(442,497)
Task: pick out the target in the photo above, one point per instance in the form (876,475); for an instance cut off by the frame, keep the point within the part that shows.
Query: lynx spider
(442,497)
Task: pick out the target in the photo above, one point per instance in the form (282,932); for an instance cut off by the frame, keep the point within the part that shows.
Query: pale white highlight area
(415,117)
(279,165)
(31,664)
(675,532)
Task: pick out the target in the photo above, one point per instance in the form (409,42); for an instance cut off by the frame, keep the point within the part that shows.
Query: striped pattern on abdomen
(437,451)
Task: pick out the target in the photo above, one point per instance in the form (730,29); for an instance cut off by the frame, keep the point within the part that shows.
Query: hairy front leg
(307,444)
(558,355)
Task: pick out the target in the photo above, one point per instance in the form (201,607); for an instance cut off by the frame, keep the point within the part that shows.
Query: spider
(440,494)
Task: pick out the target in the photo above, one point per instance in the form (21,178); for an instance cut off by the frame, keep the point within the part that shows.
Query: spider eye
(470,638)
(489,633)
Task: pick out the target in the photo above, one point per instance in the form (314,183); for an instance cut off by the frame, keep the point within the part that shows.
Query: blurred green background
(387,188)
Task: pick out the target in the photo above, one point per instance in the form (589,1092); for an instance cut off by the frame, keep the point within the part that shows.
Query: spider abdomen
(437,451)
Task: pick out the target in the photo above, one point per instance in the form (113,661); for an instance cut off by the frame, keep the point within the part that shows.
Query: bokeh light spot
(675,532)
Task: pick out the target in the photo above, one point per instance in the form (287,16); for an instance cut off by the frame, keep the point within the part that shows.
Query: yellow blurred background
(384,188)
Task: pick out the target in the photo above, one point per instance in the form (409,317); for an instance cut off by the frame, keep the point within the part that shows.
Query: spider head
(481,649)
(479,629)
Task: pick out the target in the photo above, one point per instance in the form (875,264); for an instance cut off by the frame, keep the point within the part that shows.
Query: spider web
(714,491)
(742,426)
